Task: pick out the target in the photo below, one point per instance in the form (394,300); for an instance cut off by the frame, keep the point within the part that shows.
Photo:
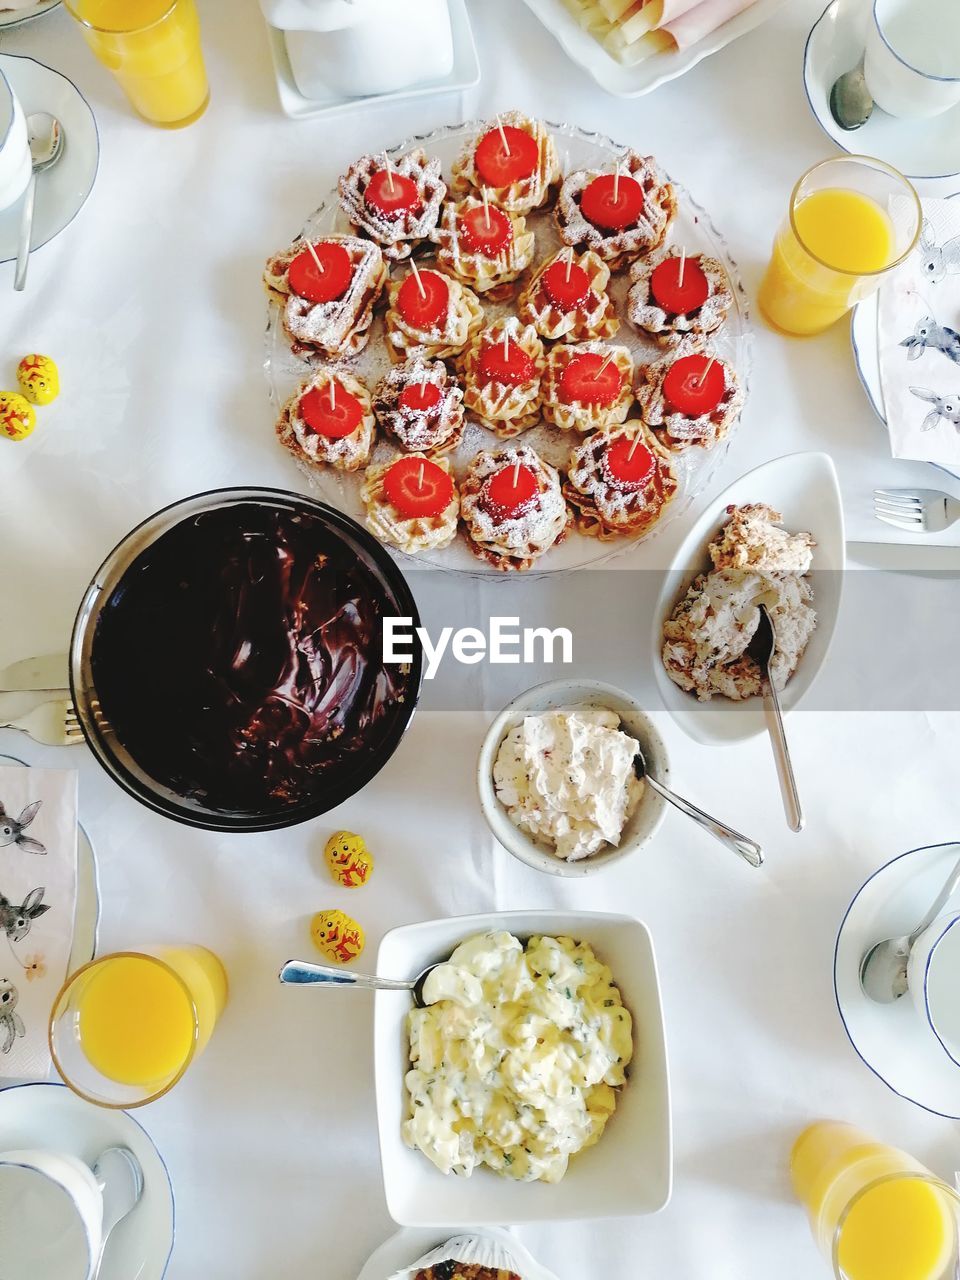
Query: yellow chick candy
(348,858)
(39,379)
(17,418)
(336,935)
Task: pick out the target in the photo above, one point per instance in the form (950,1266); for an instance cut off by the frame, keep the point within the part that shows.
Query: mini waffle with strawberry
(412,503)
(395,204)
(677,293)
(483,246)
(502,370)
(327,291)
(587,386)
(430,314)
(691,397)
(420,405)
(622,215)
(514,159)
(512,507)
(568,299)
(329,421)
(619,482)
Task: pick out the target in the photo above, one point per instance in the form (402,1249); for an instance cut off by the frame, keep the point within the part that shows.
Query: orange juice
(837,240)
(153,48)
(139,1018)
(874,1210)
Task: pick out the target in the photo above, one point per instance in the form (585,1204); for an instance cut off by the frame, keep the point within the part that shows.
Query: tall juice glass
(153,48)
(125,1028)
(852,220)
(876,1213)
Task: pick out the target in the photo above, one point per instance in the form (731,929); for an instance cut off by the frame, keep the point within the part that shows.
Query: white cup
(14,147)
(52,1213)
(933,978)
(912,59)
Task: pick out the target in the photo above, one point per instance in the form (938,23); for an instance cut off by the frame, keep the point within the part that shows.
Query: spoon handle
(305,973)
(26,234)
(748,849)
(943,897)
(781,754)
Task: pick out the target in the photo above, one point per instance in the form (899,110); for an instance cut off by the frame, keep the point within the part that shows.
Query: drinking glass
(876,1213)
(865,218)
(125,1028)
(153,49)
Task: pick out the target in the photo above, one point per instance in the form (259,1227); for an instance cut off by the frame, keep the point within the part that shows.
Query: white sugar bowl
(358,48)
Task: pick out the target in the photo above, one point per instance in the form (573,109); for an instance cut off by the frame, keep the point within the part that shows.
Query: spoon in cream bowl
(304,973)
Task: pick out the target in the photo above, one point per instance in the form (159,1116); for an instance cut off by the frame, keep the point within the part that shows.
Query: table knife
(50,671)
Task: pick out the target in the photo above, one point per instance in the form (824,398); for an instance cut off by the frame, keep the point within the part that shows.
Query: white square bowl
(627,1173)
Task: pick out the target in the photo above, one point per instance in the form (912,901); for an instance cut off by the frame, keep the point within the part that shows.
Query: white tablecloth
(152,305)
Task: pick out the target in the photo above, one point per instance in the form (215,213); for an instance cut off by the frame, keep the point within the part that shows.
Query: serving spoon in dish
(747,849)
(304,973)
(761,649)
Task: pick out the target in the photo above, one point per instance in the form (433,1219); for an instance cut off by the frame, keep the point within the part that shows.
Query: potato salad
(517,1058)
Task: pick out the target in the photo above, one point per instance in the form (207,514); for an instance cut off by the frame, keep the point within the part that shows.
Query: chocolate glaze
(239,659)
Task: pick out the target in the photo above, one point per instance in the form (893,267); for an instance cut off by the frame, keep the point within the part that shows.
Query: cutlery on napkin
(38,890)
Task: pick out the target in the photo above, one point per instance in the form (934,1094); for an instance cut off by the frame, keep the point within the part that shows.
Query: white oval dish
(804,488)
(642,826)
(402,1249)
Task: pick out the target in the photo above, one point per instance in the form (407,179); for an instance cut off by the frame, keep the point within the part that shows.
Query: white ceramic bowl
(804,488)
(642,826)
(627,1173)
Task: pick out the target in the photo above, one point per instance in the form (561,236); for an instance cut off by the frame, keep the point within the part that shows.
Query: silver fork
(53,723)
(916,510)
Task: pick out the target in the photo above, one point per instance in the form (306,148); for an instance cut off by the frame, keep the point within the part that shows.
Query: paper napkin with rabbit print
(38,893)
(919,337)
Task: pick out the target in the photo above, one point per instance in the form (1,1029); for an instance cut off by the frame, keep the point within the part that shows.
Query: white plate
(86,912)
(14,17)
(63,191)
(694,467)
(803,487)
(892,1039)
(50,1117)
(465,75)
(631,82)
(411,1243)
(629,1172)
(924,150)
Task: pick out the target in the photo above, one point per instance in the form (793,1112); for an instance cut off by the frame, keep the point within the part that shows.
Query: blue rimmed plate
(892,1039)
(14,17)
(49,1116)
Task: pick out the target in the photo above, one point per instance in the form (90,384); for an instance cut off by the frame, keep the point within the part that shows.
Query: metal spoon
(46,147)
(305,973)
(761,649)
(749,850)
(851,103)
(883,969)
(120,1178)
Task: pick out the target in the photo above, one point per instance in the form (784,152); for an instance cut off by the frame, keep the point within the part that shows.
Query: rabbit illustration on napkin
(945,408)
(938,260)
(12,829)
(930,336)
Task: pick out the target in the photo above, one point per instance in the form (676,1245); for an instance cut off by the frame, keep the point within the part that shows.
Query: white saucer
(412,1243)
(924,150)
(86,913)
(49,1116)
(62,192)
(15,16)
(891,1039)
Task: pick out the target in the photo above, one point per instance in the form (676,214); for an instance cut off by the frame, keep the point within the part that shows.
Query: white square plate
(627,1173)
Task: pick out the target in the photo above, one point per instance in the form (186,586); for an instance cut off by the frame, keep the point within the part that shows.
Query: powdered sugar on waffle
(476,269)
(594,317)
(523,537)
(463,319)
(575,415)
(680,431)
(397,235)
(617,247)
(647,315)
(419,533)
(606,509)
(508,409)
(519,197)
(344,453)
(438,427)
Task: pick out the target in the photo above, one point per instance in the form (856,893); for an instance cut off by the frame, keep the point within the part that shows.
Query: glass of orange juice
(124,1028)
(876,1213)
(153,49)
(852,220)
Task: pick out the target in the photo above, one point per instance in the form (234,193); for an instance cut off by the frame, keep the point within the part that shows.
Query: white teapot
(359,48)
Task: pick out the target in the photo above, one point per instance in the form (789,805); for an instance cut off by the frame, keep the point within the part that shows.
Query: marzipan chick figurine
(349,860)
(39,379)
(337,936)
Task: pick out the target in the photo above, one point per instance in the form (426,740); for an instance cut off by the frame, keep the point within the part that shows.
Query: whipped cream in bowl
(556,779)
